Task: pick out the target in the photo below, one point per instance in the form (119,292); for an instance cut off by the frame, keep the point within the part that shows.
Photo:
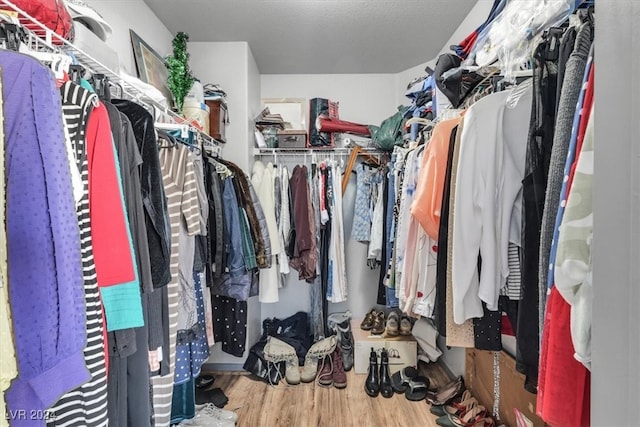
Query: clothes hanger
(100,83)
(165,140)
(12,36)
(517,92)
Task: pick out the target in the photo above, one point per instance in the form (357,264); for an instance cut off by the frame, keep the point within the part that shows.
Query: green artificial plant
(180,77)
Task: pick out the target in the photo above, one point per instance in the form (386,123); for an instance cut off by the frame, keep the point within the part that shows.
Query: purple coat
(45,271)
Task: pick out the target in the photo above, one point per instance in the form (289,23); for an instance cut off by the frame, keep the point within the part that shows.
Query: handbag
(294,330)
(268,372)
(52,13)
(390,132)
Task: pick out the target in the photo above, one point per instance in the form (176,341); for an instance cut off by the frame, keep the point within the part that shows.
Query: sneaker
(212,411)
(338,376)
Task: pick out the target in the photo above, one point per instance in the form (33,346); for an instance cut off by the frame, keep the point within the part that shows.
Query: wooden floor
(259,404)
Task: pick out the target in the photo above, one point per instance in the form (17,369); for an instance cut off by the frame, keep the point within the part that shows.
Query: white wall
(254,320)
(363,98)
(476,16)
(124,15)
(232,66)
(226,64)
(615,381)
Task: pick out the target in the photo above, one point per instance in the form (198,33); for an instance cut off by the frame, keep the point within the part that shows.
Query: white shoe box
(402,349)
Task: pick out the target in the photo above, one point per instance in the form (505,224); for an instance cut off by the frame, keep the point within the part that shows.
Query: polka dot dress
(192,349)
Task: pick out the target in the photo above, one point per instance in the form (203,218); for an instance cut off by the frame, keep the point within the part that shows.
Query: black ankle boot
(385,380)
(372,384)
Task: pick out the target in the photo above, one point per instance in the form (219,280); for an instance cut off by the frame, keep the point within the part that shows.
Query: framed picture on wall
(151,66)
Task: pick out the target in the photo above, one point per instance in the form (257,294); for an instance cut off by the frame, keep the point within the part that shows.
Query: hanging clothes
(458,335)
(45,260)
(263,181)
(86,405)
(539,146)
(304,255)
(427,204)
(573,266)
(571,89)
(362,216)
(153,195)
(128,349)
(337,263)
(492,156)
(8,364)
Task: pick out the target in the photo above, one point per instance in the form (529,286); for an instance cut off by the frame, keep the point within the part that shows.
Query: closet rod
(317,151)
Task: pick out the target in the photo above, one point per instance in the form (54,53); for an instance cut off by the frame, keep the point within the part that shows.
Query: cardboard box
(403,350)
(480,382)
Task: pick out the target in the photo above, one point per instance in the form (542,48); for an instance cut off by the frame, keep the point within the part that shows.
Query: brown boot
(338,375)
(325,377)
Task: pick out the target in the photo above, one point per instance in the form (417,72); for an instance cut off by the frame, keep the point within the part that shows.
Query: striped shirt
(87,404)
(173,176)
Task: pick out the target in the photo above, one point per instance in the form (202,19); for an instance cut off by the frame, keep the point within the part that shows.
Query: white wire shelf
(339,151)
(41,38)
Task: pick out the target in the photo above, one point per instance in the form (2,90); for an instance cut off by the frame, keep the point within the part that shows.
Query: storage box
(403,350)
(292,139)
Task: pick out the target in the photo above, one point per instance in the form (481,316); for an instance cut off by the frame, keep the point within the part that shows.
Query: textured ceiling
(321,36)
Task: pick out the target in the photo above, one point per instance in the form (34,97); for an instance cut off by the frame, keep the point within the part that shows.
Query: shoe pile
(209,415)
(405,381)
(462,410)
(394,324)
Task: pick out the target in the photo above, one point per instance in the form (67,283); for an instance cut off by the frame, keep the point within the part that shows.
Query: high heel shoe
(447,393)
(385,380)
(477,416)
(466,402)
(372,383)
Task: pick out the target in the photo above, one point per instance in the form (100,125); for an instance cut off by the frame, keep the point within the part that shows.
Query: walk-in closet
(319,213)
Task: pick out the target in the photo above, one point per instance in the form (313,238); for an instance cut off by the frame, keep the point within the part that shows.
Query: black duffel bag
(294,330)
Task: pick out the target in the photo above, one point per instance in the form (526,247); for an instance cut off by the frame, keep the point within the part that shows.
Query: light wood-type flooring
(261,405)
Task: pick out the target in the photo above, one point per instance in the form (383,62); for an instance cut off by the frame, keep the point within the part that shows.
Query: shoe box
(402,349)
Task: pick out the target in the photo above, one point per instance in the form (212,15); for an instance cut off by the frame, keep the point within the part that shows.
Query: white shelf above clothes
(42,39)
(341,151)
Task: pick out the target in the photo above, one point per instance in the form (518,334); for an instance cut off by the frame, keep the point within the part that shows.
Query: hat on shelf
(87,16)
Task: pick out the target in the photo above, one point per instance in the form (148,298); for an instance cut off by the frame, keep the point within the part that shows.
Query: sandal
(447,393)
(393,323)
(417,389)
(474,417)
(467,401)
(400,380)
